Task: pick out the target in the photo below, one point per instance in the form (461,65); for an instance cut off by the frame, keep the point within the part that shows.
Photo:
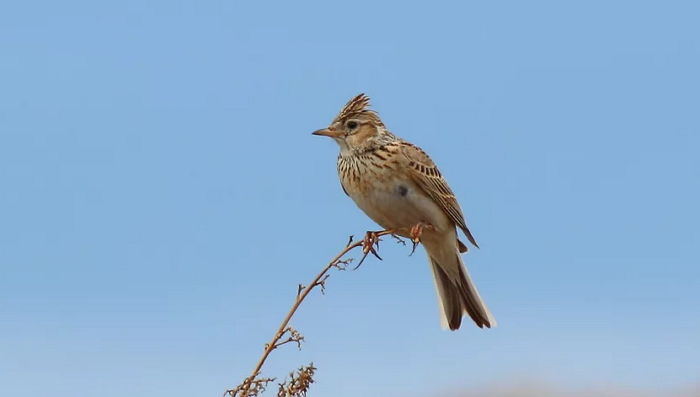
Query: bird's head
(356,127)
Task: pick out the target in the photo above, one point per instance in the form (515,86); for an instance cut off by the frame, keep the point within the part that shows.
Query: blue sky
(162,195)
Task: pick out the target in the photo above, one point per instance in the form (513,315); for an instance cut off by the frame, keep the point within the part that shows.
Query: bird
(398,186)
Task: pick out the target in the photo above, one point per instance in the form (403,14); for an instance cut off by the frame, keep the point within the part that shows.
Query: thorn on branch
(294,337)
(322,283)
(399,240)
(342,264)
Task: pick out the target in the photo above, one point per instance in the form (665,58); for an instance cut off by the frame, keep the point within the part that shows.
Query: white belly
(399,204)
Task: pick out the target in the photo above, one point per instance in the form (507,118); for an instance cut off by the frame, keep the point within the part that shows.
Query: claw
(413,248)
(371,239)
(415,234)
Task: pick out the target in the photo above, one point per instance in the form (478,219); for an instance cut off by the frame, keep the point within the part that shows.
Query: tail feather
(457,295)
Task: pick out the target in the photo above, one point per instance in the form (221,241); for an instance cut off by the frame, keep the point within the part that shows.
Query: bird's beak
(328,132)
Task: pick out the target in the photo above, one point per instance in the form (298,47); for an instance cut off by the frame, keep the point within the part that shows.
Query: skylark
(399,187)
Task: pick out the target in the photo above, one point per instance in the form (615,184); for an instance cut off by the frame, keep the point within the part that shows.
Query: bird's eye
(352,125)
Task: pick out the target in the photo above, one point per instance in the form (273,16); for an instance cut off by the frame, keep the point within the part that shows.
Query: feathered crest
(357,105)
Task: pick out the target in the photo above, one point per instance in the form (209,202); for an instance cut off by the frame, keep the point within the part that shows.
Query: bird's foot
(416,232)
(370,244)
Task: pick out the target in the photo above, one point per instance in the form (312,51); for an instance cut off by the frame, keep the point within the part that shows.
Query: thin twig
(367,244)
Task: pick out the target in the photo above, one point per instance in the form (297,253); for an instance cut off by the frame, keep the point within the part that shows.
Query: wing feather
(426,175)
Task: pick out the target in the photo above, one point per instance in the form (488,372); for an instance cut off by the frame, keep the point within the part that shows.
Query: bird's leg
(368,245)
(416,232)
(371,239)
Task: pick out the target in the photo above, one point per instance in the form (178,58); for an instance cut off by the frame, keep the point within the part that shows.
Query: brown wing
(428,177)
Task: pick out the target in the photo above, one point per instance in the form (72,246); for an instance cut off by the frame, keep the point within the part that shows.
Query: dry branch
(299,381)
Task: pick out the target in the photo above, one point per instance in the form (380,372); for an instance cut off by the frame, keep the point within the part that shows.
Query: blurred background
(162,196)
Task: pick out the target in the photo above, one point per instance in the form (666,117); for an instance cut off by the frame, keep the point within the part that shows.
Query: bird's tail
(456,292)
